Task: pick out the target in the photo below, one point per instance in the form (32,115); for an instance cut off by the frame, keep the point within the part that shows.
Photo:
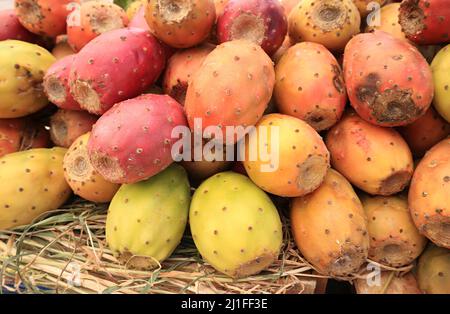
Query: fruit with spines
(10,28)
(388,21)
(62,48)
(390,283)
(441,69)
(367,6)
(31,184)
(433,270)
(146,220)
(235,226)
(330,227)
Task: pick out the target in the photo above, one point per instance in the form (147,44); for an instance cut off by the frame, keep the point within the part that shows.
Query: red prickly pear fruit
(429,193)
(388,21)
(10,28)
(101,77)
(45,17)
(181,23)
(288,5)
(56,84)
(426,132)
(367,6)
(388,81)
(261,21)
(316,94)
(220,6)
(62,48)
(180,69)
(233,87)
(124,152)
(331,23)
(425,22)
(390,283)
(66,126)
(377,160)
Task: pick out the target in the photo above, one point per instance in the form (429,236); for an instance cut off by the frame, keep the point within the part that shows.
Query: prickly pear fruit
(288,5)
(10,28)
(124,152)
(367,6)
(388,81)
(31,183)
(394,239)
(425,132)
(82,177)
(134,7)
(261,21)
(181,23)
(44,17)
(316,94)
(220,6)
(426,22)
(232,87)
(388,16)
(66,126)
(441,69)
(282,50)
(390,283)
(291,158)
(180,69)
(91,19)
(330,227)
(23,67)
(62,48)
(235,225)
(101,77)
(331,23)
(433,270)
(146,220)
(139,20)
(429,192)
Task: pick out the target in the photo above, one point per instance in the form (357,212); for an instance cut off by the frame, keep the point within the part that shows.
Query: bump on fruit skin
(303,159)
(433,270)
(146,220)
(429,192)
(389,21)
(235,225)
(331,23)
(388,81)
(363,5)
(23,68)
(316,93)
(406,284)
(124,152)
(101,77)
(441,69)
(62,48)
(330,227)
(10,28)
(31,183)
(377,160)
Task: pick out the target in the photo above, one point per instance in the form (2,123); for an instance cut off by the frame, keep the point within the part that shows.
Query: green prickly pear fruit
(23,68)
(235,225)
(31,183)
(146,220)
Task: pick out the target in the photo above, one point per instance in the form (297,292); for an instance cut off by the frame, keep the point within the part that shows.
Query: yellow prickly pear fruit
(235,225)
(389,283)
(23,68)
(433,271)
(441,69)
(31,183)
(146,220)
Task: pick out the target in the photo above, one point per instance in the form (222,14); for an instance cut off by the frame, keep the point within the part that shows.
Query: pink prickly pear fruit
(261,21)
(288,5)
(390,283)
(367,6)
(10,28)
(233,87)
(62,48)
(388,21)
(388,81)
(377,160)
(101,77)
(330,23)
(316,93)
(180,69)
(429,192)
(181,23)
(67,125)
(433,270)
(124,152)
(330,227)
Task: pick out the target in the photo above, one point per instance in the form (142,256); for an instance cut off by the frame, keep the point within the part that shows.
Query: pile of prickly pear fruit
(194,117)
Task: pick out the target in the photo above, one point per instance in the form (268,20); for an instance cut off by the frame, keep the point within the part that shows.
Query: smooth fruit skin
(62,48)
(429,192)
(441,69)
(330,227)
(394,238)
(101,77)
(261,21)
(181,24)
(31,183)
(316,92)
(133,141)
(433,270)
(331,23)
(23,67)
(388,81)
(235,226)
(10,28)
(366,6)
(390,283)
(377,160)
(82,178)
(146,220)
(389,21)
(299,160)
(425,22)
